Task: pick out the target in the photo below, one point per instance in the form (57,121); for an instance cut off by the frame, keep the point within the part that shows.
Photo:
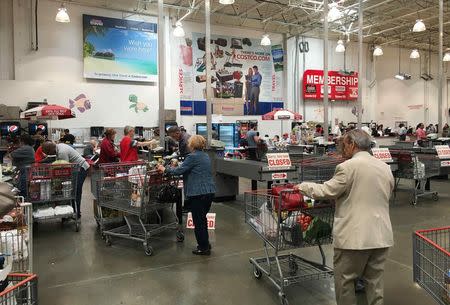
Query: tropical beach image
(119,53)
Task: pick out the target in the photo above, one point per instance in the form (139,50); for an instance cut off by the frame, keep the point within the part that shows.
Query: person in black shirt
(22,158)
(67,138)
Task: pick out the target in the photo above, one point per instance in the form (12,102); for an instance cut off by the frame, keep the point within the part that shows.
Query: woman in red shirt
(108,153)
(129,146)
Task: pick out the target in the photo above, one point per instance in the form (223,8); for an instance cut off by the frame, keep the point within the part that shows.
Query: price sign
(382,154)
(443,151)
(445,163)
(210,217)
(279,176)
(278,160)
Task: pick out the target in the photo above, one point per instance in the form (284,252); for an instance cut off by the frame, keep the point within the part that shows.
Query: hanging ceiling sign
(341,87)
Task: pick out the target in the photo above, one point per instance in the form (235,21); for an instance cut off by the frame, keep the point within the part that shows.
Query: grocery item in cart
(291,200)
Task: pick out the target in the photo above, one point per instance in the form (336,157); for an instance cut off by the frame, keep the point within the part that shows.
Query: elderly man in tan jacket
(362,231)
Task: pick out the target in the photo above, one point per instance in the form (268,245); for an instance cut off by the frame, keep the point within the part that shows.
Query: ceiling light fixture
(340,47)
(401,75)
(226,2)
(446,55)
(377,51)
(419,26)
(178,31)
(414,54)
(334,13)
(265,40)
(62,15)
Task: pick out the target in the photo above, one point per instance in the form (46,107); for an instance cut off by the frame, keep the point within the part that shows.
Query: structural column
(325,69)
(208,70)
(161,73)
(440,63)
(360,64)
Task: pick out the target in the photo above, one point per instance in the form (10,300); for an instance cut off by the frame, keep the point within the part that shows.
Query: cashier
(252,140)
(108,152)
(286,139)
(129,146)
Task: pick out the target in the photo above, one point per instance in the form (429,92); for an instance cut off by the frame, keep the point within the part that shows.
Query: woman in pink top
(420,133)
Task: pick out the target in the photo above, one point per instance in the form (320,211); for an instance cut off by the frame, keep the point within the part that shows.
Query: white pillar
(161,72)
(208,70)
(325,69)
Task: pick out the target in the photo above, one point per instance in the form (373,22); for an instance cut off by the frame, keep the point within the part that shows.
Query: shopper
(319,131)
(445,130)
(22,158)
(67,138)
(256,80)
(108,151)
(402,132)
(68,153)
(181,137)
(248,91)
(129,146)
(362,232)
(38,138)
(286,139)
(90,150)
(420,134)
(252,141)
(199,189)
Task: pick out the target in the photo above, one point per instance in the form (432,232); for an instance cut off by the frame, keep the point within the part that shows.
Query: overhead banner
(232,61)
(119,49)
(341,87)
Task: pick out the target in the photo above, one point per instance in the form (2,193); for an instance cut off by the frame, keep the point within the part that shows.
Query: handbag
(168,193)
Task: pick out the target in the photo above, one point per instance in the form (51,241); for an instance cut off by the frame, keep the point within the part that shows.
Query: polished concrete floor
(79,269)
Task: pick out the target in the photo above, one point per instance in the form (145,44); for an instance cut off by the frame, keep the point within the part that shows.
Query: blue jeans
(80,181)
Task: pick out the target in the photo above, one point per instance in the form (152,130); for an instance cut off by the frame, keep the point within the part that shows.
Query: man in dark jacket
(22,158)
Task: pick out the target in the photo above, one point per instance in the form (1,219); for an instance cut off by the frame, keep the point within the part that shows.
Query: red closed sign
(278,160)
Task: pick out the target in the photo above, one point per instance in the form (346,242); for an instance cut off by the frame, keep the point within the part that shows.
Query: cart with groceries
(52,190)
(141,196)
(431,262)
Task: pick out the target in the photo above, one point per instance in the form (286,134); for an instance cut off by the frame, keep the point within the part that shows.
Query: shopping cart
(52,191)
(431,260)
(317,168)
(103,216)
(419,167)
(284,229)
(22,289)
(16,236)
(140,195)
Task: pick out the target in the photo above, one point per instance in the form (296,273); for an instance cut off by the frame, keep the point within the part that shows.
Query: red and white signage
(340,86)
(382,154)
(443,151)
(279,176)
(278,160)
(211,219)
(445,163)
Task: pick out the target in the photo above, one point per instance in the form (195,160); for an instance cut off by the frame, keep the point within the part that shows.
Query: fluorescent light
(419,26)
(226,2)
(377,51)
(414,54)
(62,15)
(402,76)
(399,76)
(334,13)
(178,31)
(340,46)
(265,40)
(446,55)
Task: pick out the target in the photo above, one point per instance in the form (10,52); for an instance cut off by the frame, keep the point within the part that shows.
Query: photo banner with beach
(118,49)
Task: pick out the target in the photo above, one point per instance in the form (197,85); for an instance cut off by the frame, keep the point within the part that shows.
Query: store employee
(129,146)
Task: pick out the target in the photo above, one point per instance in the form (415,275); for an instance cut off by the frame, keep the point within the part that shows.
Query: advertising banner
(119,49)
(233,74)
(341,87)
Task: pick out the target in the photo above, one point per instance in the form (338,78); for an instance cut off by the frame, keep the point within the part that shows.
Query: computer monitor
(96,131)
(33,127)
(10,128)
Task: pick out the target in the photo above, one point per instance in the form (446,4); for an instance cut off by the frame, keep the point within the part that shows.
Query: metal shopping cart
(52,191)
(103,216)
(419,167)
(283,228)
(318,168)
(431,259)
(16,236)
(139,195)
(22,289)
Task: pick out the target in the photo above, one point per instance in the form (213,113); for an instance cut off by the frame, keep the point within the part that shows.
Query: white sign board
(382,154)
(210,217)
(279,176)
(443,151)
(278,160)
(445,163)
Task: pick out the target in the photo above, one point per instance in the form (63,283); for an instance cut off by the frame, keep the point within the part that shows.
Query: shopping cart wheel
(77,225)
(108,240)
(257,273)
(180,236)
(283,299)
(148,249)
(293,267)
(413,201)
(435,196)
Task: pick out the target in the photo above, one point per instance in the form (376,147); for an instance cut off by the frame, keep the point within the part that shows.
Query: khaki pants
(352,264)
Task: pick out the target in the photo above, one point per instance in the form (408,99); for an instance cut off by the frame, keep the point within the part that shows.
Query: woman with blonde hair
(199,189)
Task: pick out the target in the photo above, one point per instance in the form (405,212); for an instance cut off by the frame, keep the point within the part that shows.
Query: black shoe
(201,252)
(360,286)
(209,247)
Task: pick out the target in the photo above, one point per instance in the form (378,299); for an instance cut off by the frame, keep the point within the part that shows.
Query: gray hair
(127,129)
(360,138)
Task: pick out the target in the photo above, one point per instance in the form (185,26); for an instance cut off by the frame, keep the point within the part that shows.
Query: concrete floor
(79,269)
